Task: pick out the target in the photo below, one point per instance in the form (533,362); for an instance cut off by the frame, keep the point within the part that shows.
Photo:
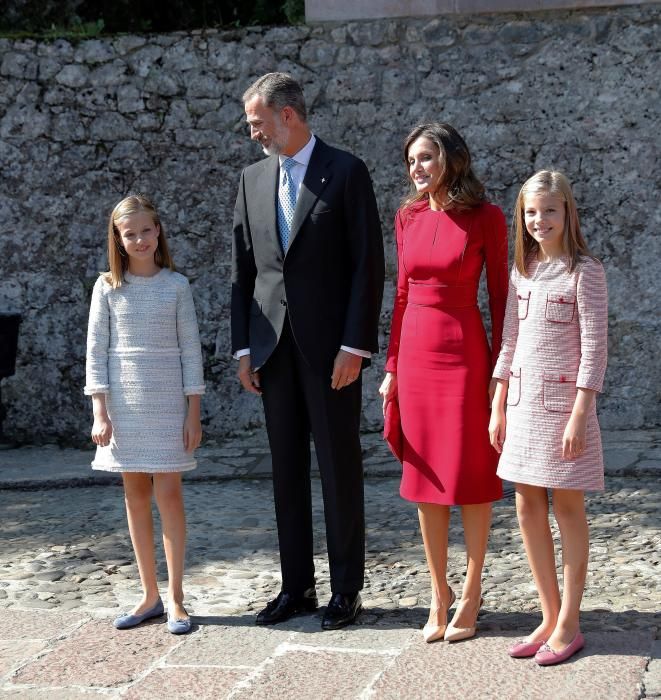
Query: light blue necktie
(286,203)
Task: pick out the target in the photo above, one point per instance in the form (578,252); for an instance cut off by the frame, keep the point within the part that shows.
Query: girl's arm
(573,440)
(388,388)
(498,422)
(592,303)
(192,424)
(510,332)
(188,337)
(96,367)
(98,341)
(102,427)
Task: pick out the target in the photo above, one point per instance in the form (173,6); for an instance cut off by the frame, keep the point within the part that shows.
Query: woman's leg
(532,509)
(170,500)
(477,521)
(137,496)
(569,510)
(434,524)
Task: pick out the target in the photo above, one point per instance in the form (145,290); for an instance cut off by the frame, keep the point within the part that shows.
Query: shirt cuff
(241,353)
(354,351)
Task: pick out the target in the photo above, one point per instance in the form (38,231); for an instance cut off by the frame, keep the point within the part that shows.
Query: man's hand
(248,378)
(346,369)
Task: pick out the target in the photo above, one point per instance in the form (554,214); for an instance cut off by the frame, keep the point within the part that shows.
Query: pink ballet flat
(547,657)
(524,650)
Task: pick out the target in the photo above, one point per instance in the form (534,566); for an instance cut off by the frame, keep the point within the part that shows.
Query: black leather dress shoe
(342,610)
(286,605)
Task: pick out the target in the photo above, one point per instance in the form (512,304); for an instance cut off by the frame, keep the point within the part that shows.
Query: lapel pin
(323,179)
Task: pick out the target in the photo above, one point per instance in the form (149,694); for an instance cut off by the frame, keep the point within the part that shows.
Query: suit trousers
(299,402)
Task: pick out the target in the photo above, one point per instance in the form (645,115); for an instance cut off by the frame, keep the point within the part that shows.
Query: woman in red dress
(439,363)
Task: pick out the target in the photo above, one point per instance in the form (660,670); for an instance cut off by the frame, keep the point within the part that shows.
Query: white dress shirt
(298,171)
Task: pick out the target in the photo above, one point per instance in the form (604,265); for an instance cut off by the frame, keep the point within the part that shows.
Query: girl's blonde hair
(574,246)
(464,189)
(117,257)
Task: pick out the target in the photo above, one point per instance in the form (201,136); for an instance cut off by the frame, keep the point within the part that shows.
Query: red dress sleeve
(495,247)
(401,296)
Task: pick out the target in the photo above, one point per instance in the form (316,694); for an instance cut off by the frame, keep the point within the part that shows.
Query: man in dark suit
(307,285)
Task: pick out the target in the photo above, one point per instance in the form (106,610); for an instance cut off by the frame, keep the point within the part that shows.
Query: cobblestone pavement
(66,568)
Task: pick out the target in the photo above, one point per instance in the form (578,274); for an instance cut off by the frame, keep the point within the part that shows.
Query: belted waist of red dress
(442,296)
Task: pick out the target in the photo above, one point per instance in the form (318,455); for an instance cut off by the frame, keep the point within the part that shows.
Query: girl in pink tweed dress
(551,366)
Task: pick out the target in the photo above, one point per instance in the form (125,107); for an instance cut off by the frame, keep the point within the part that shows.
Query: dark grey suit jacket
(331,279)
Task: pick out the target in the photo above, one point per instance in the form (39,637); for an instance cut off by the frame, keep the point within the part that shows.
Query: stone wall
(83,124)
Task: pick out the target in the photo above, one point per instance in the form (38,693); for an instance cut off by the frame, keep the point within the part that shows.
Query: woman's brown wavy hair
(525,246)
(117,258)
(464,190)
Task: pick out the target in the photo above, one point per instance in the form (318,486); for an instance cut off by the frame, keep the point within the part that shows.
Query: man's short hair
(278,90)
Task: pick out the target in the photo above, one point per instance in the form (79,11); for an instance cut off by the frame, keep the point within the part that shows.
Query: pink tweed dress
(554,341)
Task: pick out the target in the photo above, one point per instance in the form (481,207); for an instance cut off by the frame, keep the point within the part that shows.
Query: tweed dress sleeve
(592,303)
(510,331)
(188,337)
(98,340)
(401,297)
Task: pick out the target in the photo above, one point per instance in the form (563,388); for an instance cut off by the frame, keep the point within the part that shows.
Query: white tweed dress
(554,341)
(143,352)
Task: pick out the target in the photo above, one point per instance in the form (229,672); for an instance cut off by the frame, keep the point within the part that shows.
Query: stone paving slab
(610,666)
(98,655)
(243,644)
(55,694)
(15,652)
(298,673)
(200,683)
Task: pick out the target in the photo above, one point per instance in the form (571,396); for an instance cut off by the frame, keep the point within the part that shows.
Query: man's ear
(287,114)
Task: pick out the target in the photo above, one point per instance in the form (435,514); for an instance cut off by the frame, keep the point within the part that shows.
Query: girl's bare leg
(137,496)
(569,510)
(532,508)
(169,497)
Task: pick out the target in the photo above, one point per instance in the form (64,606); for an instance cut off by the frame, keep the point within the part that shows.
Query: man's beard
(278,141)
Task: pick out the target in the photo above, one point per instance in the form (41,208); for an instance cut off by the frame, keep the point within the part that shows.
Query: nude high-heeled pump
(456,634)
(432,632)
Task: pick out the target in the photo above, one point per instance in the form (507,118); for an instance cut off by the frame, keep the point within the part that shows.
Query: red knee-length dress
(439,350)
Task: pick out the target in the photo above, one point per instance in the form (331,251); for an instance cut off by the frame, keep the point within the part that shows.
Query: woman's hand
(497,428)
(388,388)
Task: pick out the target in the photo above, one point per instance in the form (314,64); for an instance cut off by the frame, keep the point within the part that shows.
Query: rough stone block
(73,75)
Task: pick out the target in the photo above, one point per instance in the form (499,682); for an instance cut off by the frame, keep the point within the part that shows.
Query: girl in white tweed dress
(144,373)
(551,366)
